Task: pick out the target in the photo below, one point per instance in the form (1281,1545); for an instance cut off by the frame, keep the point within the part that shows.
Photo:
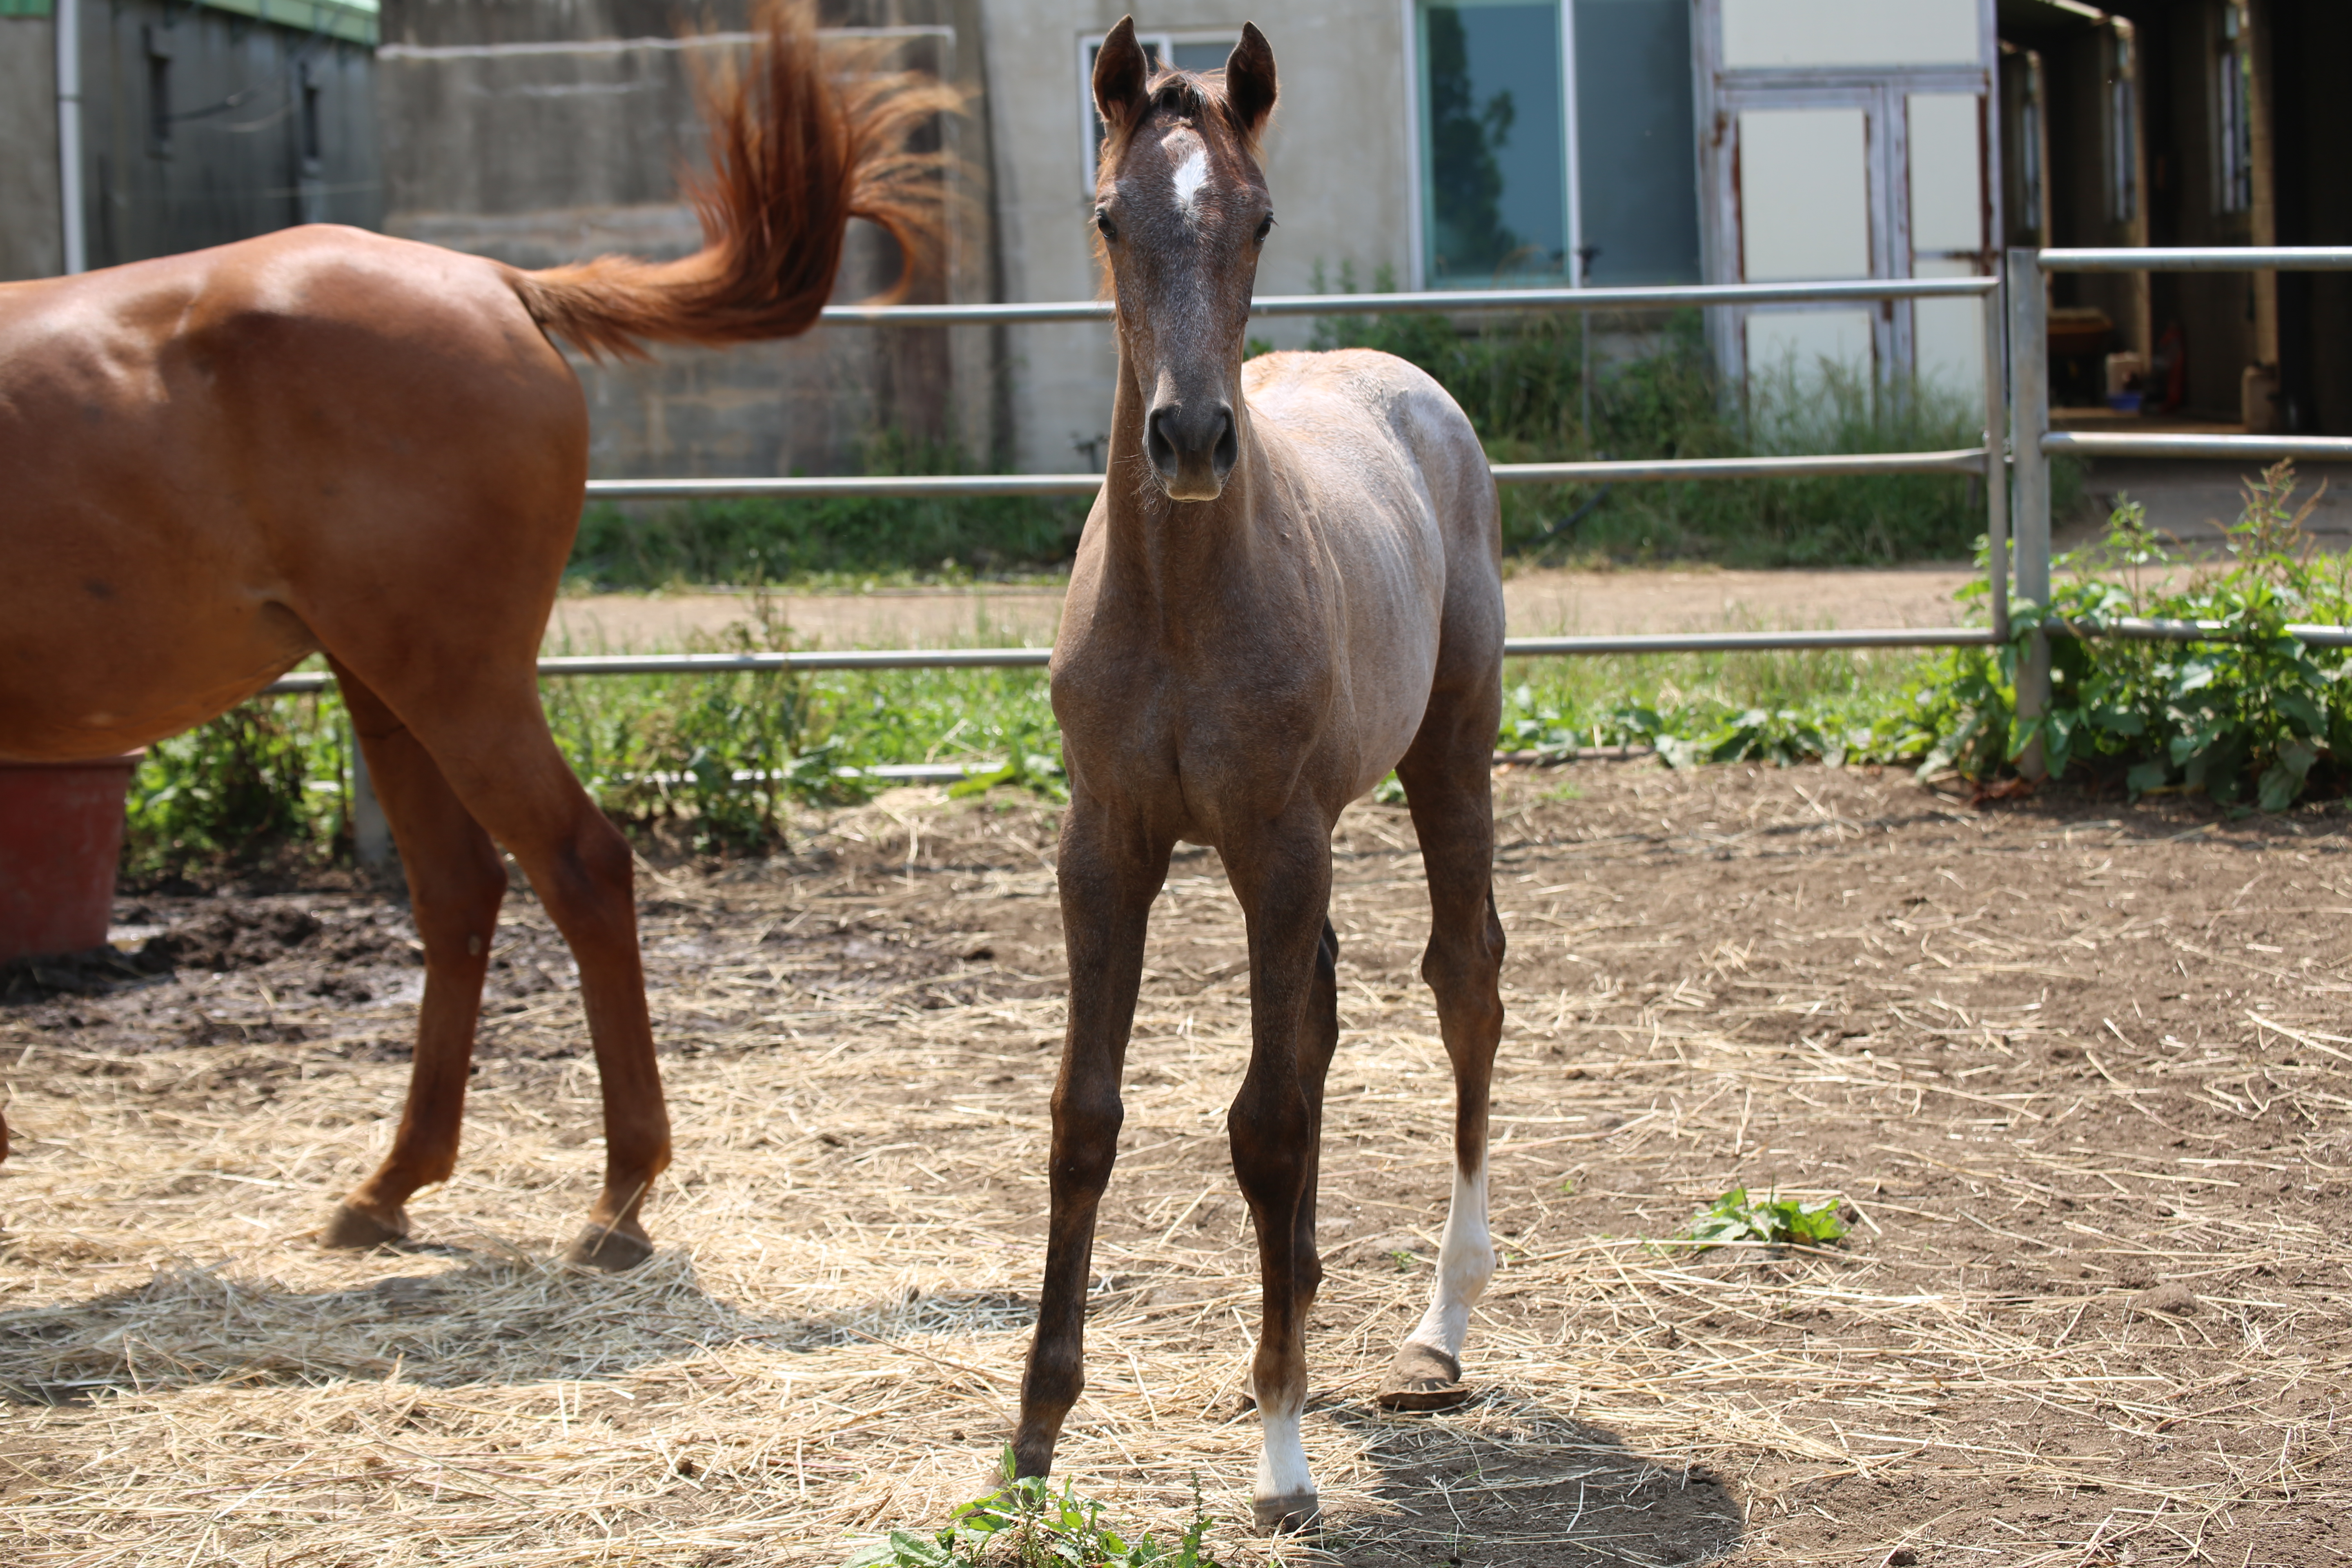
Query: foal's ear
(1121,72)
(1249,80)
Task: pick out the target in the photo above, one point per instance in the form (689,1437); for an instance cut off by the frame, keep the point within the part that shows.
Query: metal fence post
(2029,404)
(371,833)
(1996,477)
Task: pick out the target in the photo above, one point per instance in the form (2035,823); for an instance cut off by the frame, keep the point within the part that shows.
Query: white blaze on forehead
(1192,172)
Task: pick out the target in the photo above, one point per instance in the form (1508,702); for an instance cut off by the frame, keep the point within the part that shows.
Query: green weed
(1028,1524)
(237,791)
(1772,1221)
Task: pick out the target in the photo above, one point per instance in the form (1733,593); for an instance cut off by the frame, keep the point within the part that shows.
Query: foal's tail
(797,149)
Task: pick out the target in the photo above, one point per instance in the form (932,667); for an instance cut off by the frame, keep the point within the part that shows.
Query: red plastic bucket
(60,835)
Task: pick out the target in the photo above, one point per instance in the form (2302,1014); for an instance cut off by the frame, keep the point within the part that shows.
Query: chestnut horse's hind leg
(1284,883)
(1448,782)
(1108,872)
(456,884)
(489,738)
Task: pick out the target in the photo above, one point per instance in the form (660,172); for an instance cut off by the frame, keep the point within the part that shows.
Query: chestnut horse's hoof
(610,1248)
(1422,1377)
(1291,1512)
(356,1230)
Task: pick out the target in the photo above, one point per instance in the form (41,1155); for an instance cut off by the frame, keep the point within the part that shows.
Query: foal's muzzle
(1193,447)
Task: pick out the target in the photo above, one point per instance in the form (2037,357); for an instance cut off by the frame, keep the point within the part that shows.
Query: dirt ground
(2076,1069)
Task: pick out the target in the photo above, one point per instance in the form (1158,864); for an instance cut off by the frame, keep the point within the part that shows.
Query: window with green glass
(1493,143)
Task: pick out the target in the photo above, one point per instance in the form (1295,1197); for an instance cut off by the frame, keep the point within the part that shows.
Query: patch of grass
(1778,707)
(839,538)
(1772,1221)
(1030,1525)
(2252,716)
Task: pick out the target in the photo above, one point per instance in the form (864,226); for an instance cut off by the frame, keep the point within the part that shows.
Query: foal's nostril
(1155,445)
(1229,446)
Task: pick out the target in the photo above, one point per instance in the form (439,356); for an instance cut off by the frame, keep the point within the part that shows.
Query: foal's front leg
(1284,883)
(1109,871)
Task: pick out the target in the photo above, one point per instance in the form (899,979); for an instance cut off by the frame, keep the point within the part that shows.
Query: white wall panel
(1948,205)
(1804,195)
(1782,32)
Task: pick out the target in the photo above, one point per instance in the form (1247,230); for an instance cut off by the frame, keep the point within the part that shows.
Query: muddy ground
(2078,1071)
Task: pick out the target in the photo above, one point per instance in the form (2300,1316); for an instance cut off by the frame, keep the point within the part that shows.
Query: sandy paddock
(2082,1072)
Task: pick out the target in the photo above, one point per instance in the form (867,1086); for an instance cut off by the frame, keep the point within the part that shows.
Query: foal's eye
(1104,226)
(1265,228)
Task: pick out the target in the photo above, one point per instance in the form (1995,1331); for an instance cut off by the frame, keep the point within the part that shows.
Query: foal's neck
(1171,552)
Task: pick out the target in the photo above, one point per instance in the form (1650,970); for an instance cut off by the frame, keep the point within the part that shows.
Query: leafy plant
(235,790)
(1772,1221)
(717,755)
(2247,711)
(1028,1524)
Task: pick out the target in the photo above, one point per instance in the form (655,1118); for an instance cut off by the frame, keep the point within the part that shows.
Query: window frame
(1421,219)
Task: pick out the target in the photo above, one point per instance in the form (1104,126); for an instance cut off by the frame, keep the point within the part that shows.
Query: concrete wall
(233,164)
(29,242)
(1338,161)
(541,131)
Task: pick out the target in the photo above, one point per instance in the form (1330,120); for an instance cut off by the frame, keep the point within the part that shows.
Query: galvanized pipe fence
(2013,461)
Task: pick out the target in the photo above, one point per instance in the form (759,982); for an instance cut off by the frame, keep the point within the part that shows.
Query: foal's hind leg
(456,883)
(1448,782)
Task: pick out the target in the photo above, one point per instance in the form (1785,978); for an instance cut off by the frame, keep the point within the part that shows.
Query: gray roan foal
(1289,585)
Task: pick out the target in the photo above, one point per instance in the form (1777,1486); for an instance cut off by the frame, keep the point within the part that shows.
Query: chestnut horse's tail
(798,148)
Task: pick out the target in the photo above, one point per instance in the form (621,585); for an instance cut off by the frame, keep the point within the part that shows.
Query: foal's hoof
(1282,1515)
(357,1230)
(1422,1377)
(611,1250)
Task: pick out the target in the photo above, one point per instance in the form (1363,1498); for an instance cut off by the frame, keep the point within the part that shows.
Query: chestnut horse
(1290,584)
(325,440)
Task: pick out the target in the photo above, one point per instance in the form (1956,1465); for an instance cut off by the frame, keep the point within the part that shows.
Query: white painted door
(1849,139)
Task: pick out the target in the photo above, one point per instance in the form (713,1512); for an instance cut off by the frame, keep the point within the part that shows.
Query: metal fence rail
(1985,461)
(2015,340)
(1962,460)
(1465,301)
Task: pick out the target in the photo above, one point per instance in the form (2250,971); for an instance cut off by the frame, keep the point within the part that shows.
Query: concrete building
(198,124)
(541,131)
(1439,143)
(1473,143)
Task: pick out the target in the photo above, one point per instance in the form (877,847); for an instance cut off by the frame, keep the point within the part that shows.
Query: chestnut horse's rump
(222,462)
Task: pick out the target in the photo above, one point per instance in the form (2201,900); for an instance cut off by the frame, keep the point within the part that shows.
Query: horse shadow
(1506,1479)
(496,1316)
(1510,1481)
